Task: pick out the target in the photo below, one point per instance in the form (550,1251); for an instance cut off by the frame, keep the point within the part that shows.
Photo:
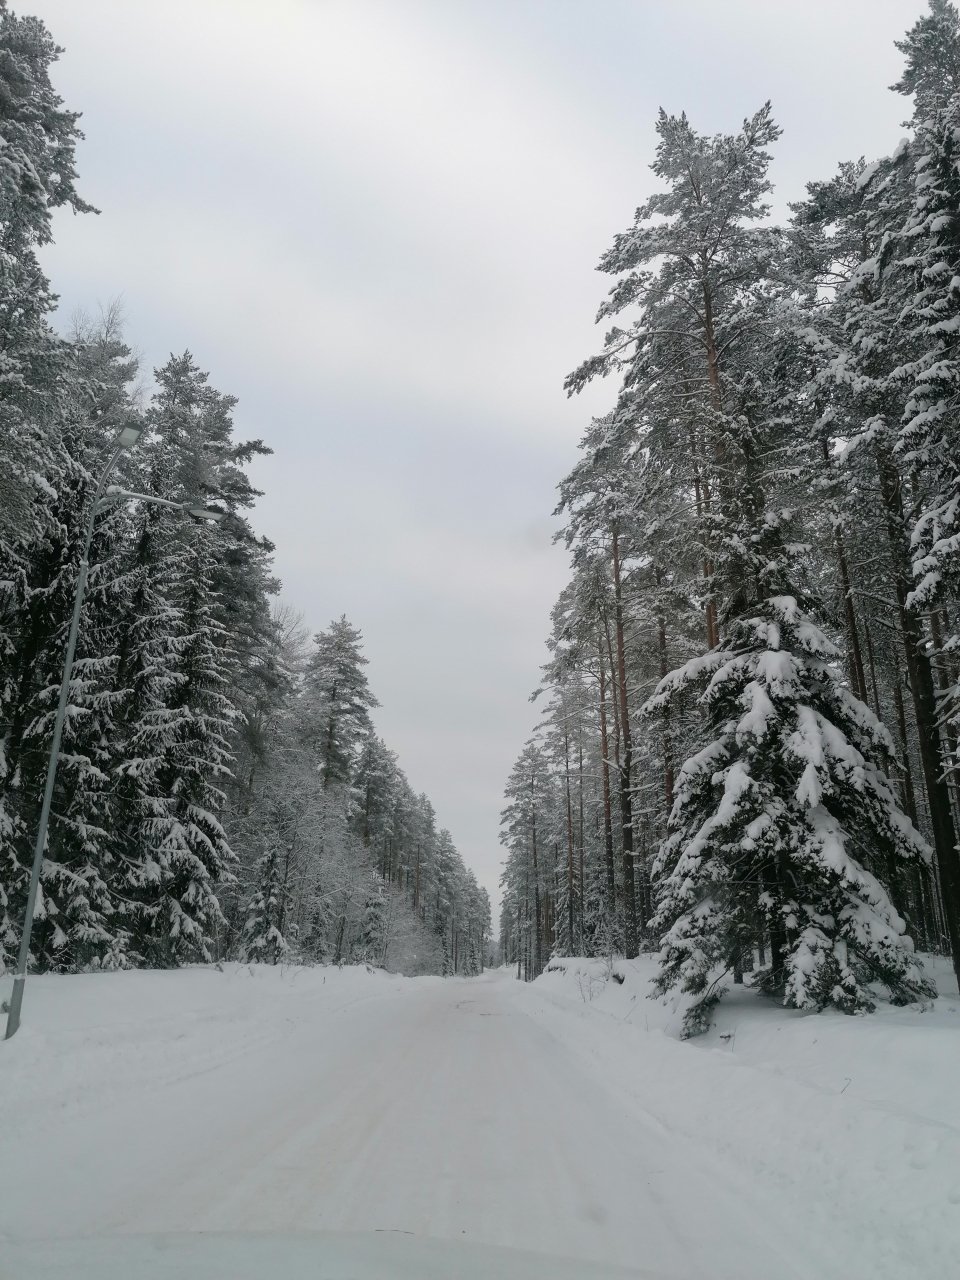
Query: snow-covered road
(443,1109)
(559,1117)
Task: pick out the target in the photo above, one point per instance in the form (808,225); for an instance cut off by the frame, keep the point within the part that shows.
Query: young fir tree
(785,823)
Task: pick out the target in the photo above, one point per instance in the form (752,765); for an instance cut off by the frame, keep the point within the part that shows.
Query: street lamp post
(102,498)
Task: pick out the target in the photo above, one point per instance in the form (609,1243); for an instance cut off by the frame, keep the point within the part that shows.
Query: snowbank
(857,1120)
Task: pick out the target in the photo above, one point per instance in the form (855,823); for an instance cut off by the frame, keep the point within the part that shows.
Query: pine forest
(748,757)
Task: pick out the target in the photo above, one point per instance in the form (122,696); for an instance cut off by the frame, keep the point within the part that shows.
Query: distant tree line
(749,757)
(221,790)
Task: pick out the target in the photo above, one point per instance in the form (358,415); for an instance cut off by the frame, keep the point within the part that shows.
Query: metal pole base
(16,1000)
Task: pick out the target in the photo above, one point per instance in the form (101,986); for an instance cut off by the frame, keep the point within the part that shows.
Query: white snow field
(162,1113)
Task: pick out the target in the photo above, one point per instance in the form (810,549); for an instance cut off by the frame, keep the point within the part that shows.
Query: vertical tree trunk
(630,945)
(909,798)
(778,937)
(328,752)
(716,404)
(605,779)
(664,670)
(701,494)
(582,896)
(338,949)
(854,654)
(943,687)
(570,901)
(537,931)
(873,676)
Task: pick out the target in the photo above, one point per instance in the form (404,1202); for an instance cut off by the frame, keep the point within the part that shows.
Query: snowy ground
(561,1117)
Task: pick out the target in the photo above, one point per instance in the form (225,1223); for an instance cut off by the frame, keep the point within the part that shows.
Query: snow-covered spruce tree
(371,936)
(75,921)
(37,176)
(785,823)
(317,945)
(77,924)
(263,938)
(148,680)
(178,910)
(206,663)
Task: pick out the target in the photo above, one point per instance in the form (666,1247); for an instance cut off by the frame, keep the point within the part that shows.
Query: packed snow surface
(561,1118)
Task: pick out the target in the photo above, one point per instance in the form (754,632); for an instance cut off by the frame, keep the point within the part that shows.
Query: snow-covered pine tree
(931,49)
(525,821)
(338,700)
(602,531)
(376,782)
(563,732)
(446,863)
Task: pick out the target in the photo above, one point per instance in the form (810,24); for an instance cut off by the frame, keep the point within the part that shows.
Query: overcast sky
(376,222)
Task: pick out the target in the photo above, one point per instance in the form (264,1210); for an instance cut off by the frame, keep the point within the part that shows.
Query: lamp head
(129,435)
(204,513)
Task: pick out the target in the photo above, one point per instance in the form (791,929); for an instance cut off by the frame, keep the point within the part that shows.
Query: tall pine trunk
(611,879)
(630,943)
